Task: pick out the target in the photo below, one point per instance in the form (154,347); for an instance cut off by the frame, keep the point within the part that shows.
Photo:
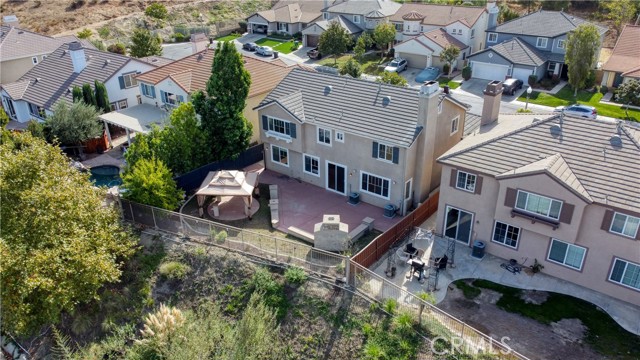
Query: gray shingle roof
(16,43)
(520,52)
(344,23)
(363,7)
(543,23)
(609,173)
(353,105)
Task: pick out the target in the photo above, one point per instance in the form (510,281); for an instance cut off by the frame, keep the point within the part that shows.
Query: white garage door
(522,74)
(489,71)
(415,60)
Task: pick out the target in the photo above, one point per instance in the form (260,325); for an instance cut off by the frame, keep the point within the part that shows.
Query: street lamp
(528,93)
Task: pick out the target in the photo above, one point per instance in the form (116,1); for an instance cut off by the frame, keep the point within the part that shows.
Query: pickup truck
(314,54)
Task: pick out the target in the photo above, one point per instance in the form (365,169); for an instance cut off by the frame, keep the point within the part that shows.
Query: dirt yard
(562,340)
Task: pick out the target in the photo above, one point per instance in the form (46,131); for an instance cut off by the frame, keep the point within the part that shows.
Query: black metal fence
(192,180)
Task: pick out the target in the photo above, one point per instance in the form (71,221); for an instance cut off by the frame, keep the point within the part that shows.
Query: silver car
(578,110)
(264,50)
(396,65)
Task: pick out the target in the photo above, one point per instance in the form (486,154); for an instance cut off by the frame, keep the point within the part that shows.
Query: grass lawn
(229,37)
(281,46)
(604,334)
(452,84)
(565,97)
(369,63)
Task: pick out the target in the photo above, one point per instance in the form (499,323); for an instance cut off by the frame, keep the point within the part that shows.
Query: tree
(117,48)
(85,34)
(146,146)
(256,333)
(151,182)
(351,68)
(392,78)
(359,49)
(144,43)
(74,124)
(36,129)
(334,41)
(59,243)
(221,110)
(582,46)
(156,10)
(77,94)
(4,133)
(506,14)
(620,12)
(102,98)
(88,96)
(449,55)
(384,34)
(98,44)
(629,93)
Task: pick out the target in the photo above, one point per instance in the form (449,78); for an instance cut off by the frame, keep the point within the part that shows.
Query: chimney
(428,101)
(492,8)
(77,56)
(10,20)
(491,106)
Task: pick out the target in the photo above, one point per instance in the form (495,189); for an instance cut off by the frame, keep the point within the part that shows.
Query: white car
(396,65)
(264,50)
(578,110)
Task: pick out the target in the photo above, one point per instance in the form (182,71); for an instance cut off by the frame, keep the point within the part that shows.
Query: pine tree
(582,46)
(77,94)
(144,43)
(88,96)
(102,98)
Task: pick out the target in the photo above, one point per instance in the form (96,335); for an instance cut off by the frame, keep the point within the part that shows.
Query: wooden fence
(380,245)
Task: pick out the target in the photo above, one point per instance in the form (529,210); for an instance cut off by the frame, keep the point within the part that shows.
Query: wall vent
(328,89)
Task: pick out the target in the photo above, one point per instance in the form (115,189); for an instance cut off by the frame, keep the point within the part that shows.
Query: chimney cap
(75,45)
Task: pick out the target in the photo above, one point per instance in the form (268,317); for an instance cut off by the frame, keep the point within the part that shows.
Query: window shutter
(142,89)
(375,150)
(566,213)
(510,197)
(121,81)
(293,130)
(396,154)
(454,178)
(265,123)
(162,96)
(606,221)
(478,185)
(153,92)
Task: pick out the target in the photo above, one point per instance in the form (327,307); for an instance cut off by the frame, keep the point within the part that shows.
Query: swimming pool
(106,175)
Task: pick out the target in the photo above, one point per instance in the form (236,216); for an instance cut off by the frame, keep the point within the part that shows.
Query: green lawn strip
(565,97)
(229,37)
(604,334)
(470,292)
(370,63)
(452,84)
(281,46)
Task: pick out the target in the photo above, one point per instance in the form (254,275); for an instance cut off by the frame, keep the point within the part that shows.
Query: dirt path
(535,340)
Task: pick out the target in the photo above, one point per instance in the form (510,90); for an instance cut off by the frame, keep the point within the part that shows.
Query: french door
(458,224)
(336,178)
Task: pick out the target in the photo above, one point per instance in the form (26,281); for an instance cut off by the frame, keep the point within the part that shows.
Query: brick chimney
(78,58)
(491,106)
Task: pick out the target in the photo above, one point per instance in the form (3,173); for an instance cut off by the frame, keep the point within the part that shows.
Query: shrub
(179,37)
(351,68)
(392,78)
(523,110)
(298,36)
(76,4)
(157,11)
(295,275)
(174,270)
(243,26)
(590,80)
(221,236)
(85,34)
(532,80)
(445,69)
(98,44)
(117,48)
(466,73)
(390,306)
(604,89)
(104,32)
(629,93)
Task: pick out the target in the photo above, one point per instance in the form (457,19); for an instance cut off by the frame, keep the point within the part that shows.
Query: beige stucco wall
(535,239)
(252,115)
(12,70)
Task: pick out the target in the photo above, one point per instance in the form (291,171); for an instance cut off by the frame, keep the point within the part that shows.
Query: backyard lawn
(370,63)
(281,46)
(565,97)
(452,84)
(229,37)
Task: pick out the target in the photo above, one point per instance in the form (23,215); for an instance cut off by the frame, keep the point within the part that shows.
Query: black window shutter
(293,130)
(121,81)
(265,122)
(566,213)
(606,221)
(375,150)
(454,178)
(396,154)
(510,197)
(478,185)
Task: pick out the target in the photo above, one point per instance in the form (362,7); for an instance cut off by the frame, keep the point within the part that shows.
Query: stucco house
(287,17)
(34,95)
(549,188)
(624,63)
(355,136)
(424,50)
(533,44)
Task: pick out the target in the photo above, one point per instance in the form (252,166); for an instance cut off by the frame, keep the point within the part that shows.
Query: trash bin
(354,198)
(446,89)
(478,249)
(275,54)
(389,211)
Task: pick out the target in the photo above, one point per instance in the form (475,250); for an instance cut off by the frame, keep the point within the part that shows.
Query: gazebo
(227,183)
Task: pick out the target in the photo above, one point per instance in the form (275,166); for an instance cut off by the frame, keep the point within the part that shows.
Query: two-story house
(624,63)
(288,17)
(355,136)
(549,188)
(34,95)
(530,45)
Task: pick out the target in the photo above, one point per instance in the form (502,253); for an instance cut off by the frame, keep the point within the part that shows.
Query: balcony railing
(535,218)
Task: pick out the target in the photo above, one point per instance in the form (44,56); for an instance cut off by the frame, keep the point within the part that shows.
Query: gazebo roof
(413,15)
(228,183)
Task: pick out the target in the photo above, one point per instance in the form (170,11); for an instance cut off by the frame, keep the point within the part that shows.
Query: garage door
(522,74)
(312,40)
(415,60)
(489,71)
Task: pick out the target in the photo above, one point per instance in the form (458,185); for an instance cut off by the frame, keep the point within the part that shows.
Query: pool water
(106,175)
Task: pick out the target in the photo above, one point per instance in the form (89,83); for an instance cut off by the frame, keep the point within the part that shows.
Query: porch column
(106,126)
(128,136)
(556,71)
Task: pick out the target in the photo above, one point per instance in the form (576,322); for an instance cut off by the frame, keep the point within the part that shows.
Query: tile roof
(471,123)
(634,73)
(156,60)
(603,155)
(544,23)
(413,15)
(16,89)
(294,11)
(71,38)
(443,39)
(16,43)
(518,52)
(441,15)
(626,53)
(351,105)
(52,79)
(192,72)
(363,7)
(343,21)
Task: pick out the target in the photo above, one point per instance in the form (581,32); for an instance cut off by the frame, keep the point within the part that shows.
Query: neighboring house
(350,135)
(424,50)
(169,85)
(287,17)
(530,45)
(311,34)
(549,188)
(624,63)
(35,94)
(21,50)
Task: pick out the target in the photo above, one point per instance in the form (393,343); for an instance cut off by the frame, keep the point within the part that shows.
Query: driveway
(472,87)
(410,75)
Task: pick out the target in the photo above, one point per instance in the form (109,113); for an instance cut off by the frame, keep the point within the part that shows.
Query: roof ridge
(328,75)
(528,47)
(629,135)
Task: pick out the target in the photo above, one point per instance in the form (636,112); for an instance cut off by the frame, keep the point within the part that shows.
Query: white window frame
(407,194)
(170,101)
(467,181)
(626,266)
(39,113)
(551,200)
(326,138)
(624,226)
(549,68)
(504,239)
(340,136)
(455,125)
(304,164)
(132,81)
(563,263)
(546,42)
(380,152)
(10,106)
(356,19)
(325,16)
(123,104)
(34,60)
(563,43)
(473,33)
(369,175)
(510,70)
(271,129)
(273,151)
(494,35)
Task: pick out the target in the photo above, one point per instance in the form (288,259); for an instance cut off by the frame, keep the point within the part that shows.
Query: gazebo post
(128,136)
(106,127)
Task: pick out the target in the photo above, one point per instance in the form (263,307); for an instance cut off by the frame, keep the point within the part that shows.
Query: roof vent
(615,141)
(386,100)
(536,119)
(37,80)
(555,130)
(106,62)
(327,89)
(20,32)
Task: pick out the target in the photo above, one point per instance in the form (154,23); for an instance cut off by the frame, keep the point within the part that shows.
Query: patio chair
(404,254)
(441,262)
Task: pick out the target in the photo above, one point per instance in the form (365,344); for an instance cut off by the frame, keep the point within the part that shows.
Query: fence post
(347,270)
(275,242)
(133,218)
(153,215)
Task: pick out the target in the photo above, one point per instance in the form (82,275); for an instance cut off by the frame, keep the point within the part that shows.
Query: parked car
(264,50)
(396,65)
(430,73)
(314,54)
(579,110)
(510,86)
(250,46)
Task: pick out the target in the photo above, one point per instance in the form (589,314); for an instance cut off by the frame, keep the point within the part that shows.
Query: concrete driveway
(410,75)
(473,87)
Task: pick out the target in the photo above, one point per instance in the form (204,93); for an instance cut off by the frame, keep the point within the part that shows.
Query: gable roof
(544,23)
(52,79)
(441,15)
(517,52)
(603,155)
(344,23)
(364,7)
(626,53)
(192,72)
(443,39)
(16,43)
(293,11)
(156,60)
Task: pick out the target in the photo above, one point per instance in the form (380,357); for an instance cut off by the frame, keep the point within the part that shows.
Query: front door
(336,178)
(458,224)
